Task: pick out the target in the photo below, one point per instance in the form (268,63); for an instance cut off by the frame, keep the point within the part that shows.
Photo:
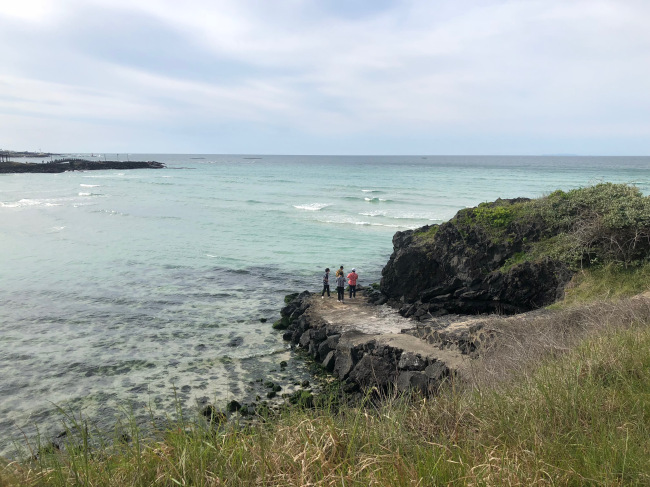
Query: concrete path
(361,322)
(357,314)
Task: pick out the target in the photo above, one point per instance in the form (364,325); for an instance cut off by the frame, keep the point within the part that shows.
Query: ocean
(139,291)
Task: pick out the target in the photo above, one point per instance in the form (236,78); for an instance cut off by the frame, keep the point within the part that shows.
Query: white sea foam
(312,206)
(373,213)
(410,216)
(85,194)
(374,199)
(391,226)
(89,185)
(26,202)
(366,224)
(346,222)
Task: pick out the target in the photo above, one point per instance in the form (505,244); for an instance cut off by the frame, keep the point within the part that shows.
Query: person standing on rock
(340,285)
(352,282)
(326,284)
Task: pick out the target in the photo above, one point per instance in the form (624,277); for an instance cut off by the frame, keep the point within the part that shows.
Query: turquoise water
(119,286)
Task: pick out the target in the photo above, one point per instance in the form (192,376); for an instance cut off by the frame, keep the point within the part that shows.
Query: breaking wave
(26,202)
(312,206)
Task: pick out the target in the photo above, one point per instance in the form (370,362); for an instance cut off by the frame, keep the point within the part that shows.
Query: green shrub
(583,227)
(494,217)
(426,234)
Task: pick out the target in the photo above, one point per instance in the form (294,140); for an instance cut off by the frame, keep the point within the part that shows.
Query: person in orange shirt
(352,282)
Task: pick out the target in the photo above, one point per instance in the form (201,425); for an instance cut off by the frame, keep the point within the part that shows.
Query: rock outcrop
(456,268)
(63,165)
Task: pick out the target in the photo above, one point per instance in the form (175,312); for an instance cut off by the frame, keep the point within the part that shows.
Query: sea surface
(134,292)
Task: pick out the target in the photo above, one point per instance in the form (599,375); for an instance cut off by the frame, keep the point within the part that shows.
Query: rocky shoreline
(507,257)
(63,165)
(418,356)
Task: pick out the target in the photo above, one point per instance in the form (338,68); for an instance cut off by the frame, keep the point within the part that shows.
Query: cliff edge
(516,255)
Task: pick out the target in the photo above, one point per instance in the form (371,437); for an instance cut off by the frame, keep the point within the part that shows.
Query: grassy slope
(583,418)
(560,400)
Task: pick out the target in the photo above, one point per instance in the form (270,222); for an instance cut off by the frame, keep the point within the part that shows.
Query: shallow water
(119,286)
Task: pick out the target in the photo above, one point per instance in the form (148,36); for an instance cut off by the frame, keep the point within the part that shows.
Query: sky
(326,76)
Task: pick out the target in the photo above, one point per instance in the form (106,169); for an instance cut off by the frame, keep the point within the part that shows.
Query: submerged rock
(213,415)
(233,406)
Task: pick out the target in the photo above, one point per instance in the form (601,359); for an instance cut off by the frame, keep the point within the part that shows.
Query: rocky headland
(430,315)
(67,164)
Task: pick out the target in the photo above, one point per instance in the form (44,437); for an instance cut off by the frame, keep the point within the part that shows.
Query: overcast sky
(326,77)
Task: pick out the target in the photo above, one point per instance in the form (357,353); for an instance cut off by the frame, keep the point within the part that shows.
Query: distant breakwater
(69,164)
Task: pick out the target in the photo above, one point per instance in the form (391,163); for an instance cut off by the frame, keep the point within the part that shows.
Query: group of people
(340,283)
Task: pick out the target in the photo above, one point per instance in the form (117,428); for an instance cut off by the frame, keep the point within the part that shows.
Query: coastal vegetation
(587,226)
(516,255)
(562,398)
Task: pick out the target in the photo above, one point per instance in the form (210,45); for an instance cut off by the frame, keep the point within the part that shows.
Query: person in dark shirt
(326,283)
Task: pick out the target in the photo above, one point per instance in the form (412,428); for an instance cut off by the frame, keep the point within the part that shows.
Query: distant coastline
(68,164)
(8,154)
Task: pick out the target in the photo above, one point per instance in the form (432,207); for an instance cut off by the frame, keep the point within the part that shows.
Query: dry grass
(562,398)
(522,343)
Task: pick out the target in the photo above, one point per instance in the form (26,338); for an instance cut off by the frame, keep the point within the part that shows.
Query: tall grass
(577,417)
(612,281)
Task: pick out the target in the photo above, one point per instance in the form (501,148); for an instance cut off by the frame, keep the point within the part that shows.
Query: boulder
(372,370)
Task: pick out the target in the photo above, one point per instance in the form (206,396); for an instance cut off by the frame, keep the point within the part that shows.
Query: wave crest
(312,206)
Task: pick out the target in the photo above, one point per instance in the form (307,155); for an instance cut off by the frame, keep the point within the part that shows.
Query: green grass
(494,216)
(579,419)
(609,282)
(427,233)
(584,419)
(583,227)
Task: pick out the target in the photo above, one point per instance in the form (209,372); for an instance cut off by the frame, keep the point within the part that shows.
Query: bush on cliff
(516,255)
(595,225)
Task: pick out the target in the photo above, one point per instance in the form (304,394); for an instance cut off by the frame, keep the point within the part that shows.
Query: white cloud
(67,101)
(27,10)
(467,68)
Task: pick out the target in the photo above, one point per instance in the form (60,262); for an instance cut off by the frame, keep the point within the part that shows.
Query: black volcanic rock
(458,267)
(63,165)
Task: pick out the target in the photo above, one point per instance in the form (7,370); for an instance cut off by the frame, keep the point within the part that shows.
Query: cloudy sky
(326,76)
